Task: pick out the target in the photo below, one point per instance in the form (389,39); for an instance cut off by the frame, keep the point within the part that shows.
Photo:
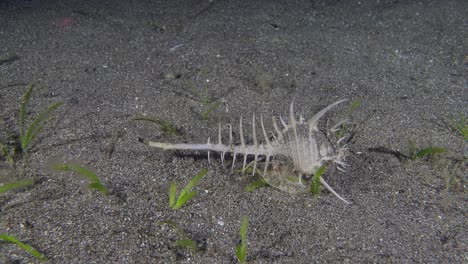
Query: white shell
(297,149)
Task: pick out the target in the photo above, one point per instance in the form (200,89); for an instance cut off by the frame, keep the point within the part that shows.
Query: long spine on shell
(268,145)
(242,143)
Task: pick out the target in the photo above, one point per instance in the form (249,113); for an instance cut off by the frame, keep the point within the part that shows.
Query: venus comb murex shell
(298,148)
